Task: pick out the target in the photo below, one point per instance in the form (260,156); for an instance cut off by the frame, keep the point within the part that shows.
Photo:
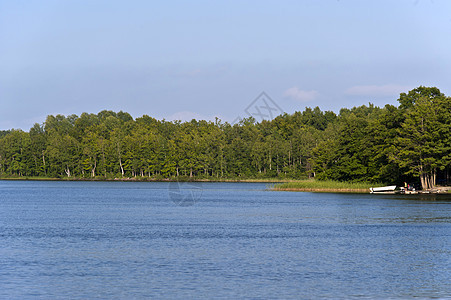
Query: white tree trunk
(93,171)
(122,169)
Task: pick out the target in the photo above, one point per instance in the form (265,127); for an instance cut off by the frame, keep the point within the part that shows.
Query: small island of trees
(408,143)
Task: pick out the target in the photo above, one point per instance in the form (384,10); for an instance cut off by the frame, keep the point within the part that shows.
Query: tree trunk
(122,169)
(423,181)
(120,161)
(428,180)
(431,179)
(43,161)
(93,171)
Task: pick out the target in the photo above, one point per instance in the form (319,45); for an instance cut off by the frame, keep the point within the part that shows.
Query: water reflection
(424,197)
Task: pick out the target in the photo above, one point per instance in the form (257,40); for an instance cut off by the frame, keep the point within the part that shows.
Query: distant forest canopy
(408,143)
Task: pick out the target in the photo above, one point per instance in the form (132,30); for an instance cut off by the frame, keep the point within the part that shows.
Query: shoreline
(276,183)
(436,191)
(131,179)
(322,190)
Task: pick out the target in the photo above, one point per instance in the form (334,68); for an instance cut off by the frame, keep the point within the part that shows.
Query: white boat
(383,189)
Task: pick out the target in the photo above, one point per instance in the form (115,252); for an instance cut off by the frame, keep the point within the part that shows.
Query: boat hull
(383,190)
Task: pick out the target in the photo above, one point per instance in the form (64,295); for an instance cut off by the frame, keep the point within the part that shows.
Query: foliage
(424,144)
(364,144)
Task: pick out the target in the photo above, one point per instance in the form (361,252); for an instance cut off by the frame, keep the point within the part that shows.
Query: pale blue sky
(185,59)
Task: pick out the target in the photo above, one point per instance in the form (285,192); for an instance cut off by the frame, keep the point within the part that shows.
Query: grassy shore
(327,186)
(149,179)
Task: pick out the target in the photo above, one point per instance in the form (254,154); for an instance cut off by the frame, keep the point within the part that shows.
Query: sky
(205,59)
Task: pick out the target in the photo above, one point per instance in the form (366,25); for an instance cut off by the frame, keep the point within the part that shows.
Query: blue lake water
(121,240)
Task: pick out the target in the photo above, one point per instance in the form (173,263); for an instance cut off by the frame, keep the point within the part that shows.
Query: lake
(121,240)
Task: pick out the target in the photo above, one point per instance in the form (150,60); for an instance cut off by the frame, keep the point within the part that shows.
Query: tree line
(411,142)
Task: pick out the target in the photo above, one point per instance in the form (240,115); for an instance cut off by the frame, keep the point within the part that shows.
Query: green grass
(327,185)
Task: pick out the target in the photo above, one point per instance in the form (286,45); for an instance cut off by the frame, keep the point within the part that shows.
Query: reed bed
(325,186)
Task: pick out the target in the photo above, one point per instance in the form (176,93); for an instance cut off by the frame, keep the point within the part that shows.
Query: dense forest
(411,142)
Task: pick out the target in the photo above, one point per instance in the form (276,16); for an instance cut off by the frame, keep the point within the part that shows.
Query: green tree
(424,137)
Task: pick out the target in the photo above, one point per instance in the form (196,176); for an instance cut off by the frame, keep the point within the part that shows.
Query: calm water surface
(134,240)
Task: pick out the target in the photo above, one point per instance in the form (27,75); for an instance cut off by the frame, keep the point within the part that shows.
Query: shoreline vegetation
(149,179)
(395,145)
(326,186)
